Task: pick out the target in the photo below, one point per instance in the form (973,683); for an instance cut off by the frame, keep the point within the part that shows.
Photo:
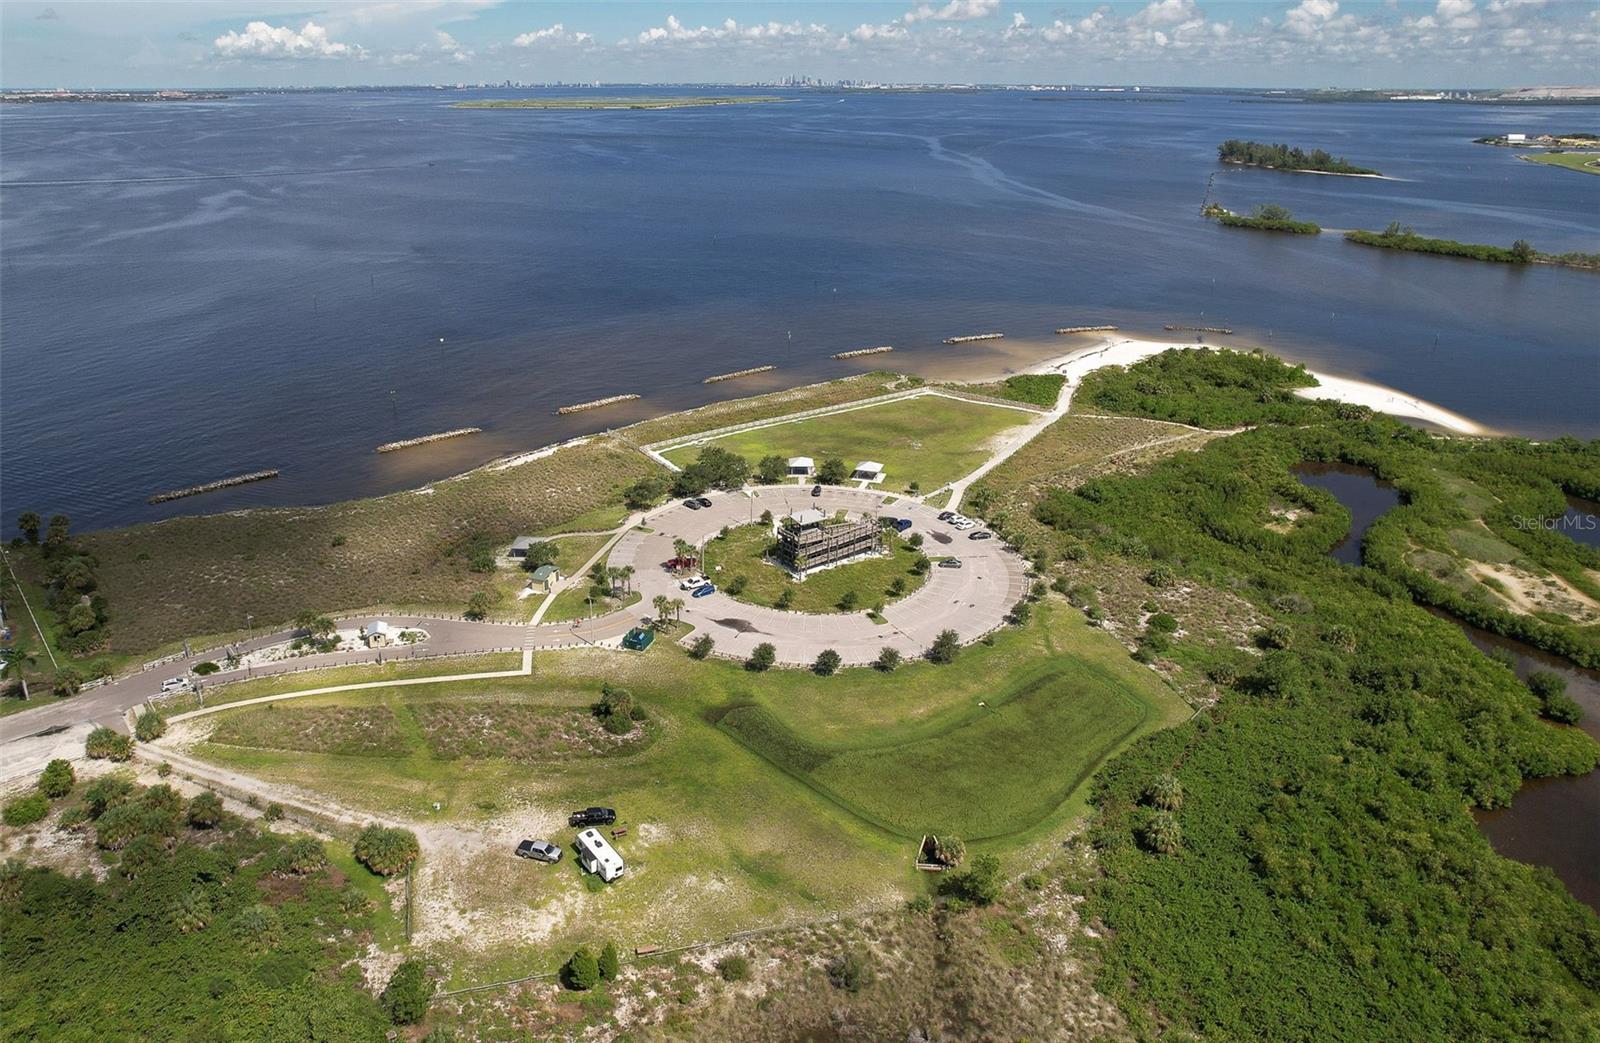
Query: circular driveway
(971,600)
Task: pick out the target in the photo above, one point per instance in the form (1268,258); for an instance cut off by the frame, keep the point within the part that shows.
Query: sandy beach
(1127,351)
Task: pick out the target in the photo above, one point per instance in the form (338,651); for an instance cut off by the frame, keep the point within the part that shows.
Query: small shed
(868,471)
(520,545)
(1516,137)
(545,577)
(801,466)
(378,634)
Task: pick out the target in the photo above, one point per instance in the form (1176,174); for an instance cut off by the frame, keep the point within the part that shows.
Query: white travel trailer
(599,857)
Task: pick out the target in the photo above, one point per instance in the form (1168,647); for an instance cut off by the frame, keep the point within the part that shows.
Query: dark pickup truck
(592,817)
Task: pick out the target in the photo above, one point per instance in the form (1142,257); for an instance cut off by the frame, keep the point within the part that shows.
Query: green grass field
(725,831)
(1583,162)
(928,440)
(740,554)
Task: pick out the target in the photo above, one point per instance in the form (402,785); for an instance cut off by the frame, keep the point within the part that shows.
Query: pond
(1553,822)
(1363,495)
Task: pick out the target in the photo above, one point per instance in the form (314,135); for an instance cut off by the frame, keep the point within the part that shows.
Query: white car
(174,684)
(692,582)
(964,524)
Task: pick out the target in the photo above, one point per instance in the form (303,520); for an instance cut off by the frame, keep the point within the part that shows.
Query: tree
(301,856)
(979,883)
(405,999)
(833,471)
(581,972)
(67,681)
(105,744)
(1554,702)
(677,605)
(663,606)
(848,601)
(317,626)
(1161,833)
(683,550)
(610,962)
(1166,792)
(150,726)
(762,658)
(28,523)
(734,968)
(827,663)
(646,492)
(540,554)
(205,811)
(57,779)
(386,851)
(1522,252)
(702,646)
(897,587)
(944,647)
(1020,613)
(785,599)
(949,850)
(55,536)
(887,660)
(1273,212)
(479,605)
(772,469)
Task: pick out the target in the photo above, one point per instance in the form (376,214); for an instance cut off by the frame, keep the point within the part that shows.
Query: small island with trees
(1404,237)
(1268,217)
(1283,157)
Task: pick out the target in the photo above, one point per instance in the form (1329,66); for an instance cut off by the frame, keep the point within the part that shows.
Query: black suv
(592,817)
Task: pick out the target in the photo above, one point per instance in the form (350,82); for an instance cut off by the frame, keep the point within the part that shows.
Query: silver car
(539,851)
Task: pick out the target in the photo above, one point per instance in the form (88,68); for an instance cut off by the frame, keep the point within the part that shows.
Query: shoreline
(1379,398)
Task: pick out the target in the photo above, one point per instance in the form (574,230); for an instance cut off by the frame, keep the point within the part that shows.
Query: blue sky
(1287,43)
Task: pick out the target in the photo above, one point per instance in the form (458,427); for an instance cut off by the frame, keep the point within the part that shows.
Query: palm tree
(682,549)
(614,577)
(627,578)
(677,608)
(662,604)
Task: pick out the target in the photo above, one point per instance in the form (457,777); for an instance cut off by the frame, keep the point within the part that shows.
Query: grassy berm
(200,576)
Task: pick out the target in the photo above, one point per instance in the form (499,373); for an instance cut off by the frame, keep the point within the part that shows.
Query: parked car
(956,519)
(692,582)
(964,524)
(539,851)
(592,817)
(174,684)
(816,490)
(950,563)
(703,501)
(981,534)
(702,590)
(692,504)
(946,515)
(902,524)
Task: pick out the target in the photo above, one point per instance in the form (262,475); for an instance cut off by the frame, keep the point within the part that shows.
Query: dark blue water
(265,281)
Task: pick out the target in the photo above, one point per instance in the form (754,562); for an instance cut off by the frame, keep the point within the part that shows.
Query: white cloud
(731,31)
(954,11)
(260,40)
(1165,12)
(557,33)
(1310,17)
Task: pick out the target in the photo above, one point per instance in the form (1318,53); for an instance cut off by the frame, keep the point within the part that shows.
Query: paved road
(971,600)
(105,704)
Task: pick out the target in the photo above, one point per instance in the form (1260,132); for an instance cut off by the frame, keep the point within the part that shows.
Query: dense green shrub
(980,883)
(702,646)
(106,744)
(149,726)
(1283,157)
(25,811)
(57,779)
(827,663)
(733,968)
(405,999)
(205,811)
(1397,238)
(581,972)
(610,962)
(762,657)
(887,660)
(850,971)
(1554,702)
(386,850)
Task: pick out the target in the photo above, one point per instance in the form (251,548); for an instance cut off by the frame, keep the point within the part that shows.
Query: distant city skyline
(1261,43)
